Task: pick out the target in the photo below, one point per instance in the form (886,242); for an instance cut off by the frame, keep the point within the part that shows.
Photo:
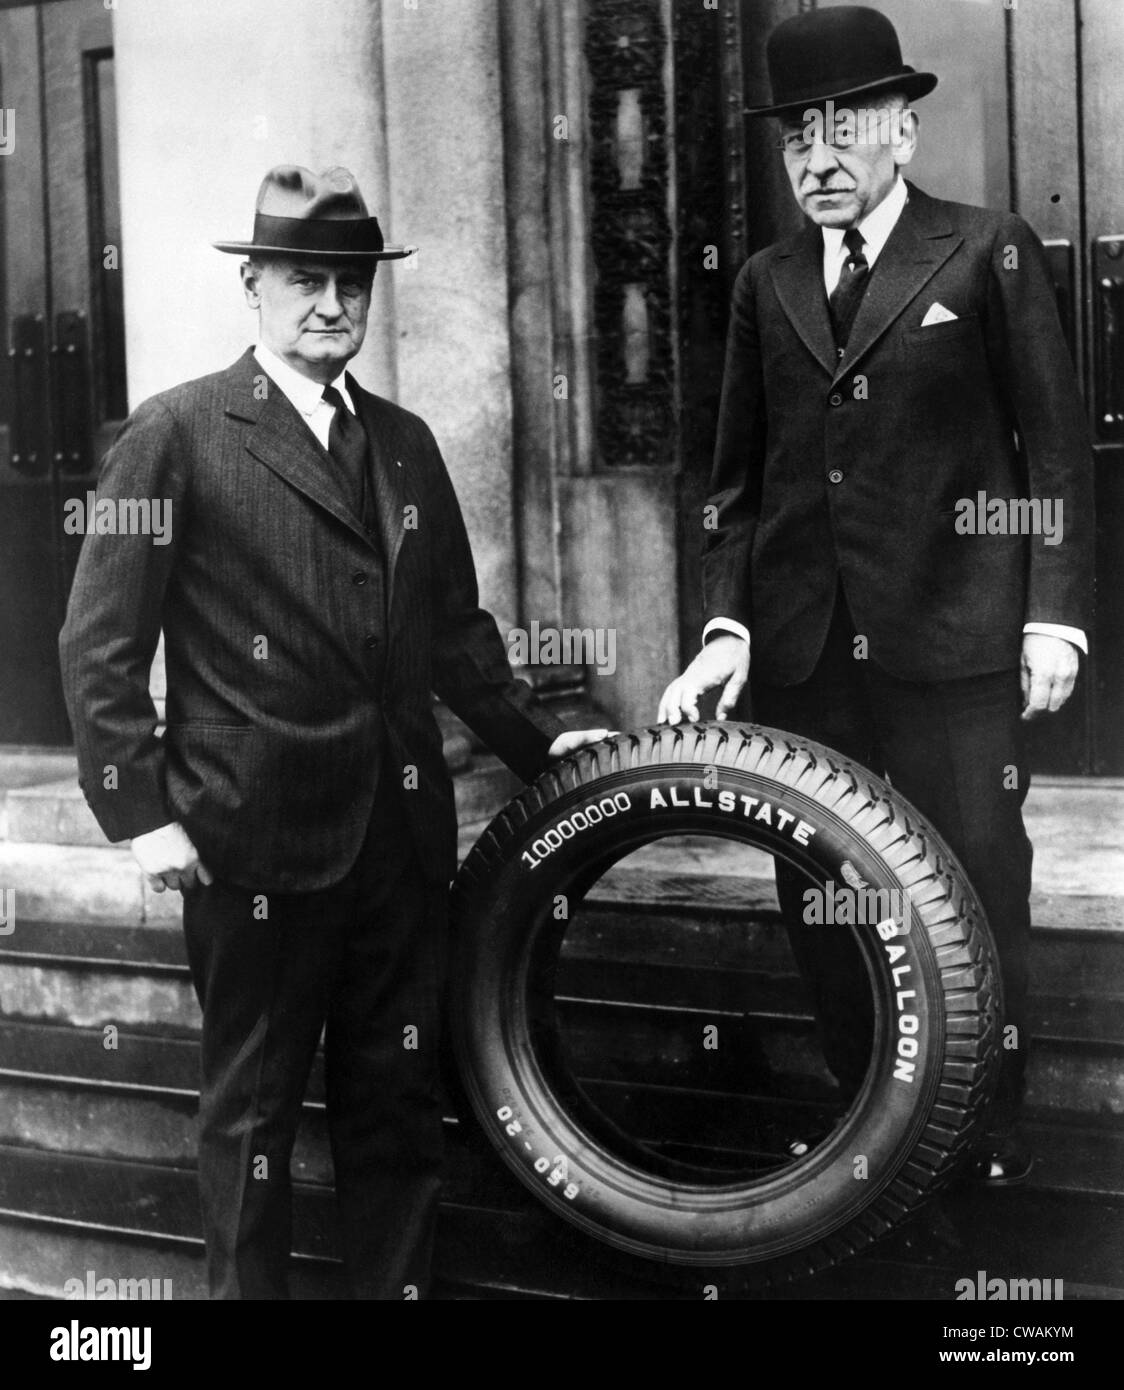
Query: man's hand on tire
(724,661)
(169,859)
(574,739)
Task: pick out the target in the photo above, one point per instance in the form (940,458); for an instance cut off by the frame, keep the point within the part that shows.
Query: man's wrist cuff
(729,626)
(1075,635)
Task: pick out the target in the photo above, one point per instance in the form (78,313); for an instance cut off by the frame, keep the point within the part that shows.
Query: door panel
(1102,61)
(63,384)
(31,708)
(1066,60)
(1048,193)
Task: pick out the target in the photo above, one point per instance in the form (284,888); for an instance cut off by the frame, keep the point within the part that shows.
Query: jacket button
(359,577)
(835,398)
(371,640)
(835,476)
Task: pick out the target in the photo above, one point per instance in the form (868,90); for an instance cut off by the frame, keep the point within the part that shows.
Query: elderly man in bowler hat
(898,354)
(318,586)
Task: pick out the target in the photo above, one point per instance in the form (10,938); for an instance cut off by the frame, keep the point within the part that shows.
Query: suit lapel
(798,280)
(283,442)
(921,242)
(388,474)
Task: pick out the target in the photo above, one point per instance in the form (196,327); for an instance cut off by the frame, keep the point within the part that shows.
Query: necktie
(848,293)
(347,444)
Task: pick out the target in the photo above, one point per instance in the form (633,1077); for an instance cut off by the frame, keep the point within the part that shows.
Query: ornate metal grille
(626,49)
(709,220)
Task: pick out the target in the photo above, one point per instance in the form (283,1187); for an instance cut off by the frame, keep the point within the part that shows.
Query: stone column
(211,93)
(444,117)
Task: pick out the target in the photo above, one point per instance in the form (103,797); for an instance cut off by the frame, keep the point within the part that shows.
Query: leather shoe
(1000,1161)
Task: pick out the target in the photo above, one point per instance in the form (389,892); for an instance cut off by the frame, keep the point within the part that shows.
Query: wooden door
(1067,108)
(62,377)
(1101,294)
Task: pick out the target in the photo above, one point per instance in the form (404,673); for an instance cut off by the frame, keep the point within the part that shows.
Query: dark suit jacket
(821,475)
(272,753)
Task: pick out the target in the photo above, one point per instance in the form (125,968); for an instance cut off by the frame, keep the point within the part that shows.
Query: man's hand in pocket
(169,859)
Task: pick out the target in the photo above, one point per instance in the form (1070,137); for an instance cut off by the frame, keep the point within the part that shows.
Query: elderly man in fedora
(898,355)
(318,585)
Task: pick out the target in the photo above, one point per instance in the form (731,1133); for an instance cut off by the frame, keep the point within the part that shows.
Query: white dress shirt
(306,395)
(875,229)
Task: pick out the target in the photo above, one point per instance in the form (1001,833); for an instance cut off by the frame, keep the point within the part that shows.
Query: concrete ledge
(102,1124)
(61,869)
(52,813)
(1069,1081)
(21,766)
(39,1260)
(1076,832)
(485,790)
(1077,911)
(93,999)
(67,882)
(55,812)
(161,909)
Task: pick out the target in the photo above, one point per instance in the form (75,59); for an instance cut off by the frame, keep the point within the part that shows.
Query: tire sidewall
(513,910)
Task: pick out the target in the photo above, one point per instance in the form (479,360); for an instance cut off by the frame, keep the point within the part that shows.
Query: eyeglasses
(846,134)
(795,146)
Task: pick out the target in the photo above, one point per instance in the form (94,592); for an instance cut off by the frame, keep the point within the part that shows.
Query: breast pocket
(232,726)
(941,337)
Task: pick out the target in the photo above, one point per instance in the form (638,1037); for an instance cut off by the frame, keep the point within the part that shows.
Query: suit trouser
(949,747)
(364,961)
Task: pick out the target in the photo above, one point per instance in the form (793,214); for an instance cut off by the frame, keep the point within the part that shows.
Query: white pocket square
(937,313)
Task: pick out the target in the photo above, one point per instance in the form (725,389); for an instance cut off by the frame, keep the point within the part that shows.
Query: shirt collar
(304,393)
(876,226)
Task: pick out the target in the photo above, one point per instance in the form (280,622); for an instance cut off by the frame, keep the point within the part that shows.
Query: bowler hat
(300,213)
(838,52)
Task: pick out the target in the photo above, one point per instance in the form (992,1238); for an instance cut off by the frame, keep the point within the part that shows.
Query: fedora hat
(299,213)
(844,51)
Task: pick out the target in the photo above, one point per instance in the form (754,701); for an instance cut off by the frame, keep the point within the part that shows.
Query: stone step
(1084,1153)
(715,944)
(62,1215)
(626,1024)
(159,1067)
(69,1094)
(24,765)
(96,1145)
(705,933)
(55,812)
(56,860)
(93,995)
(642,980)
(720,881)
(81,884)
(53,855)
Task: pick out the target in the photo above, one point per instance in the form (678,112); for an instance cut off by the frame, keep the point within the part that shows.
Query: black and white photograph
(562,666)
